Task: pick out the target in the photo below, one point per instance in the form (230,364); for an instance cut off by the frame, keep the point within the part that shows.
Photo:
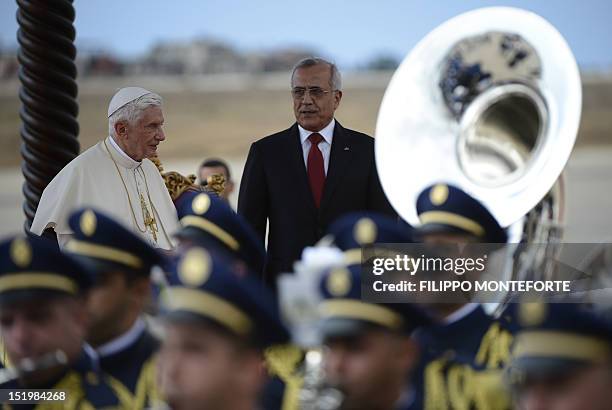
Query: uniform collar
(327,132)
(124,341)
(406,399)
(87,361)
(120,156)
(460,313)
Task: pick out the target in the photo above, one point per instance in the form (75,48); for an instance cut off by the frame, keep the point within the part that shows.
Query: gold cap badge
(21,252)
(88,222)
(532,313)
(195,268)
(365,231)
(200,204)
(438,194)
(339,282)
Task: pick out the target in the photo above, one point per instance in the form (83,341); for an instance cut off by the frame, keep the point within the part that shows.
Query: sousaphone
(490,101)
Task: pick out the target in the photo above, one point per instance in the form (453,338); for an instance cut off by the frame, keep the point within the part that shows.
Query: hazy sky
(348,31)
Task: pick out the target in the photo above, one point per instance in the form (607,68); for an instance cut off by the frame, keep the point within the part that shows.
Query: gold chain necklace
(149,221)
(143,230)
(155,210)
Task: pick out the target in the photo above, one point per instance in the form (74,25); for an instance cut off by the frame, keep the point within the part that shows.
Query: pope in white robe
(115,176)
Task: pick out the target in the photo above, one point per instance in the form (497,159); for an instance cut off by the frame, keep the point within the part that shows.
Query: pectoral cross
(149,221)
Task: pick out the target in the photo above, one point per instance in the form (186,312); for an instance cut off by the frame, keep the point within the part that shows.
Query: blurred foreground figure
(562,359)
(216,328)
(115,175)
(121,265)
(43,319)
(296,368)
(208,221)
(369,354)
(465,351)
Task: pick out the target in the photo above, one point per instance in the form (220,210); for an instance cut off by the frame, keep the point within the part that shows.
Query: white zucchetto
(124,96)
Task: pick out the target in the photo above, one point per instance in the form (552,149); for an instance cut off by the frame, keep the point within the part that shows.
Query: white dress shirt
(324,146)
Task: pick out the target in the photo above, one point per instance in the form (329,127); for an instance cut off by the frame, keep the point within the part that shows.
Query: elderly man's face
(314,109)
(34,328)
(140,140)
(582,389)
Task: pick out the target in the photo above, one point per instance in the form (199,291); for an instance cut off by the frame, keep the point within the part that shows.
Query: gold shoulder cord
(283,361)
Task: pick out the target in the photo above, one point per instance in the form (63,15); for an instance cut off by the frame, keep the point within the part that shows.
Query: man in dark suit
(302,179)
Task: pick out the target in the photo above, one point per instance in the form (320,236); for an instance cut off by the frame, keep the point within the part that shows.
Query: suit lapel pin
(346,148)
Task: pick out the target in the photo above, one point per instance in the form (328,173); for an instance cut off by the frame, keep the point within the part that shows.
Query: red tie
(315,168)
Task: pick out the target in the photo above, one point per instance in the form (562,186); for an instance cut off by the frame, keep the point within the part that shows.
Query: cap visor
(534,368)
(343,327)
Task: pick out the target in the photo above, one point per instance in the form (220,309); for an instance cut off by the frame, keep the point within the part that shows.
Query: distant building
(382,62)
(196,57)
(284,59)
(98,62)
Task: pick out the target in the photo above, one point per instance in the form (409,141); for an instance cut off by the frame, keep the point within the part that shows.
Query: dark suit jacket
(275,187)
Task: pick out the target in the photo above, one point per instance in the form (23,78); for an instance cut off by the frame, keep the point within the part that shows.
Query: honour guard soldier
(208,221)
(121,263)
(448,215)
(561,358)
(217,325)
(447,212)
(357,230)
(465,340)
(349,233)
(43,321)
(369,352)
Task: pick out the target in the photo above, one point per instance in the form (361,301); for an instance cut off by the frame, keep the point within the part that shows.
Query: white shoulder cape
(91,180)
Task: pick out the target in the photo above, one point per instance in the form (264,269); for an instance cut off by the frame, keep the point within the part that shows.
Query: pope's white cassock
(107,179)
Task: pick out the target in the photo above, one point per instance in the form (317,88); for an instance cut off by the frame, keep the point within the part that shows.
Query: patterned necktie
(316,168)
